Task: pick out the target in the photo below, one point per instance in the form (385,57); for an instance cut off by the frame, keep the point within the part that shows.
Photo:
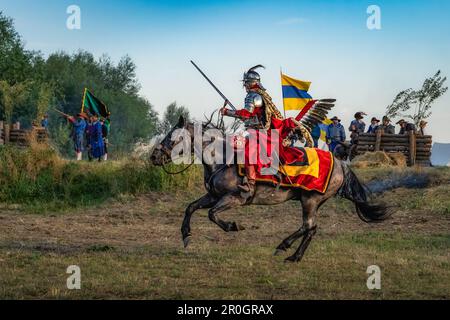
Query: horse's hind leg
(225,203)
(207,201)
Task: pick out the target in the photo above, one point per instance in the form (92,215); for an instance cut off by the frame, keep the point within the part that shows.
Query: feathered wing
(317,113)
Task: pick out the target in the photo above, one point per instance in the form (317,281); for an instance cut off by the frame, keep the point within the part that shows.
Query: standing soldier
(335,133)
(79,126)
(44,122)
(405,127)
(105,131)
(89,130)
(357,126)
(387,127)
(96,139)
(422,125)
(373,125)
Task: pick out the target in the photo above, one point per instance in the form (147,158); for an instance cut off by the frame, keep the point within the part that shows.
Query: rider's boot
(249,182)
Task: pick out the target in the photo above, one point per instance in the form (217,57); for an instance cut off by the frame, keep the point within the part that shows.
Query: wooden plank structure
(21,137)
(417,148)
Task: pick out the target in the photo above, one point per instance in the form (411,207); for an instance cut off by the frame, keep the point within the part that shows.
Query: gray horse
(221,181)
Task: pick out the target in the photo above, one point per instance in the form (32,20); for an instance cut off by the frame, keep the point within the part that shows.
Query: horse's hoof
(278,252)
(186,241)
(291,259)
(236,227)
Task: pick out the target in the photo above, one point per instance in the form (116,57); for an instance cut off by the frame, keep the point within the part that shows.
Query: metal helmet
(252,79)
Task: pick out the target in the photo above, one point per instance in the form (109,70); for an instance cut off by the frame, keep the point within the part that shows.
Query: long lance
(213,85)
(231,105)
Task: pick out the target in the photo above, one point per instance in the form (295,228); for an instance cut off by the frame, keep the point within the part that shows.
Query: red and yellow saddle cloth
(311,170)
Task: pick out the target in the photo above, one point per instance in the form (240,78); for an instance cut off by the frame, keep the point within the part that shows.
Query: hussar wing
(318,113)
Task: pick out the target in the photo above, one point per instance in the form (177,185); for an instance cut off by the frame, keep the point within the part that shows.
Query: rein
(178,172)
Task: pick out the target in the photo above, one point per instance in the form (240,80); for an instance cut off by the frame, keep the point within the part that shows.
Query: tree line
(31,85)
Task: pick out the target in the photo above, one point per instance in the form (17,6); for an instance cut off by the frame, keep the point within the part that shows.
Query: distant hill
(440,155)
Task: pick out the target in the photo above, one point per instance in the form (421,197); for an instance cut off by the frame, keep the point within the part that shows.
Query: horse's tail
(352,189)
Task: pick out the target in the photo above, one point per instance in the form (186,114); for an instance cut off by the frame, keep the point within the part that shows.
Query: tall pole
(82,102)
(282,98)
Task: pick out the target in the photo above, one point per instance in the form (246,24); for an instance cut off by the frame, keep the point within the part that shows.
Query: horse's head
(161,155)
(162,152)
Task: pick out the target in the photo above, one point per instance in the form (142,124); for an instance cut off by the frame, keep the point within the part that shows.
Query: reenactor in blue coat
(373,125)
(335,133)
(96,139)
(79,126)
(357,126)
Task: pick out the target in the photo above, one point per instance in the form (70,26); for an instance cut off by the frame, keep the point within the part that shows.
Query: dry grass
(38,180)
(379,159)
(132,249)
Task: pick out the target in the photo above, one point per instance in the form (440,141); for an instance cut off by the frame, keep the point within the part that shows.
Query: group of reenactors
(89,133)
(336,132)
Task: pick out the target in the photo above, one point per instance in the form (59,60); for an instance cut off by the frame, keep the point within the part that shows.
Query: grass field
(130,247)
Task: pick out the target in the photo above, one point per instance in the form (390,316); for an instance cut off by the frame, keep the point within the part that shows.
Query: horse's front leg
(207,201)
(226,202)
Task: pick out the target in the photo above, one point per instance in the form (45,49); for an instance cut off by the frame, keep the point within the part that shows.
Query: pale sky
(325,42)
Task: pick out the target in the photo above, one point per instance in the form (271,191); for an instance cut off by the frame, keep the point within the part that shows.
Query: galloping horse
(221,181)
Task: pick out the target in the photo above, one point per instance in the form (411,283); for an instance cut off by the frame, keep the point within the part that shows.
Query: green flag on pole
(92,105)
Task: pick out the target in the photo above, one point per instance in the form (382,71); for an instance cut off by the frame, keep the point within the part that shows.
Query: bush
(38,178)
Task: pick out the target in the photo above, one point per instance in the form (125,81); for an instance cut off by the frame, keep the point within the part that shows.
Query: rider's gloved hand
(223,111)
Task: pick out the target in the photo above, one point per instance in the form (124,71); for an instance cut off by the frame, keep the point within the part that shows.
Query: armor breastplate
(253,102)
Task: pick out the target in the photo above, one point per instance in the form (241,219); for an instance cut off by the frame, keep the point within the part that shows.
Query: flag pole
(82,101)
(282,98)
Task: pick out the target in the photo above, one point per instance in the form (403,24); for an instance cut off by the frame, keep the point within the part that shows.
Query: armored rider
(255,115)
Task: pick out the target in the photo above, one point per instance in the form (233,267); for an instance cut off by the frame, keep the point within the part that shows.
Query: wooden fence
(416,148)
(21,137)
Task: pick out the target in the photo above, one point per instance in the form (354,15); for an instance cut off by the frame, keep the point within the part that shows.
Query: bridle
(167,153)
(178,172)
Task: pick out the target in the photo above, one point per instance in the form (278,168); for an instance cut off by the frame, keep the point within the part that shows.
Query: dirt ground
(133,249)
(155,219)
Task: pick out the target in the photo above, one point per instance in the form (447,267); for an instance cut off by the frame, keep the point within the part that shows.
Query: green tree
(11,96)
(44,100)
(59,80)
(171,116)
(421,99)
(15,62)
